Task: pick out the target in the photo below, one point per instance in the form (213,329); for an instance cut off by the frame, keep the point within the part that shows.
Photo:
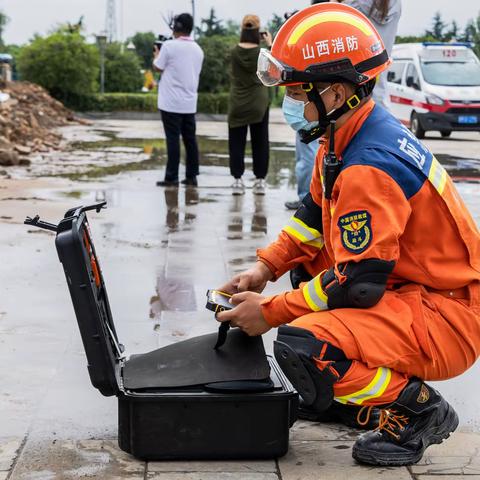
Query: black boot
(364,418)
(418,418)
(190,182)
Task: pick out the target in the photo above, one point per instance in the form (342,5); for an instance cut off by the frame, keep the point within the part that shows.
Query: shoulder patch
(355,231)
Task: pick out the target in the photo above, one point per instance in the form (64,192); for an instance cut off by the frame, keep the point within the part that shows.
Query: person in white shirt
(180,62)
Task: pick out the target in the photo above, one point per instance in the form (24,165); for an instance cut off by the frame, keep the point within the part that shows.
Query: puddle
(461,169)
(172,295)
(213,153)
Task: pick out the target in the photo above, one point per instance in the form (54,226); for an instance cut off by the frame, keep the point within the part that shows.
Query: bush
(63,63)
(122,70)
(143,42)
(143,102)
(215,76)
(213,102)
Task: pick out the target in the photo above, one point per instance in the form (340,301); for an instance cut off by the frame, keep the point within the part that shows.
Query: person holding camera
(385,15)
(179,61)
(248,107)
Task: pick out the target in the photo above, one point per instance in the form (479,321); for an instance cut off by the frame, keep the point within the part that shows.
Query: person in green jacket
(248,107)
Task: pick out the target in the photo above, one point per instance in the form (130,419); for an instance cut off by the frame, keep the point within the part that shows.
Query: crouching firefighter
(392,297)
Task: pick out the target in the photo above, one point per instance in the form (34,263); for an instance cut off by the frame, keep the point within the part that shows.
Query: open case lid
(89,297)
(188,363)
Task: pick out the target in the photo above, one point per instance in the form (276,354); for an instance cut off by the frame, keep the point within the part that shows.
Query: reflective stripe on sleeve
(437,176)
(373,390)
(301,231)
(314,295)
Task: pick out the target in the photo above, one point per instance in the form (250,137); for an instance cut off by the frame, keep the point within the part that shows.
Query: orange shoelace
(389,421)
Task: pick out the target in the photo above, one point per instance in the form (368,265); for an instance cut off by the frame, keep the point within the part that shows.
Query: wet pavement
(160,250)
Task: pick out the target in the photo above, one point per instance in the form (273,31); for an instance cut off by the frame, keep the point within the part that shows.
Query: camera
(161,39)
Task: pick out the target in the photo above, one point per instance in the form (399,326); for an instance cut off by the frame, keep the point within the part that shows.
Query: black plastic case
(235,416)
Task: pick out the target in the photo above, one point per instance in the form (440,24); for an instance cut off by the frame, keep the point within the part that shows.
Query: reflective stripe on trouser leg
(362,385)
(301,231)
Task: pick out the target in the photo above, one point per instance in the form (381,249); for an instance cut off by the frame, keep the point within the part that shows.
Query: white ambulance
(435,86)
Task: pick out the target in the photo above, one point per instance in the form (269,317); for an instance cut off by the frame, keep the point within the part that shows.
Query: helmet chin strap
(324,119)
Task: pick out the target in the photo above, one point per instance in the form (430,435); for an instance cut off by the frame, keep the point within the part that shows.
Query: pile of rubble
(28,115)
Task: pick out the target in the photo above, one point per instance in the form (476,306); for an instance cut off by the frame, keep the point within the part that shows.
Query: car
(435,87)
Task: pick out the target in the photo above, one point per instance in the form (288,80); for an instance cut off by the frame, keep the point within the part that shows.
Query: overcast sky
(30,16)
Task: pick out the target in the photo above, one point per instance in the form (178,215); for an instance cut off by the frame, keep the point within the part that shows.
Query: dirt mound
(27,120)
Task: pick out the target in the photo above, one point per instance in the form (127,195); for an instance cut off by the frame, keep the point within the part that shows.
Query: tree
(453,33)
(74,27)
(63,63)
(215,76)
(3,22)
(274,24)
(211,26)
(438,27)
(143,42)
(122,70)
(469,33)
(472,34)
(232,28)
(414,39)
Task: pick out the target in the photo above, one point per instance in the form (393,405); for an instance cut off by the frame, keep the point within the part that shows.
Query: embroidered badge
(355,231)
(424,395)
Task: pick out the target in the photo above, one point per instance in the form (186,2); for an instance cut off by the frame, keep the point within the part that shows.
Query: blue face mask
(294,113)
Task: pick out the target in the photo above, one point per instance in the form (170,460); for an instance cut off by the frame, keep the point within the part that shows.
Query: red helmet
(326,42)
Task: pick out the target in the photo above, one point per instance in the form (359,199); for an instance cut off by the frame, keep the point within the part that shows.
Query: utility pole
(111,21)
(193,15)
(102,42)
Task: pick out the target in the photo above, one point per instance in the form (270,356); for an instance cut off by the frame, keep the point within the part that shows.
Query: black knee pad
(295,350)
(298,275)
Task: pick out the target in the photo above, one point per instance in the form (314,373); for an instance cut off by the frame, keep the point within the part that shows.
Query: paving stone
(460,444)
(456,456)
(449,477)
(8,452)
(443,461)
(68,460)
(332,460)
(305,430)
(214,467)
(442,465)
(213,476)
(3,475)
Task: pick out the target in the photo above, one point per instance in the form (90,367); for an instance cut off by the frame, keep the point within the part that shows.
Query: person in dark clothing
(248,107)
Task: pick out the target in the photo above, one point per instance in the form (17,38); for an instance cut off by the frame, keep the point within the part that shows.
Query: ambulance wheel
(416,127)
(445,133)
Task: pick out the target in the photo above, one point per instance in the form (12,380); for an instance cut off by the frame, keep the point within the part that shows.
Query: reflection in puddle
(172,294)
(249,259)
(238,222)
(173,217)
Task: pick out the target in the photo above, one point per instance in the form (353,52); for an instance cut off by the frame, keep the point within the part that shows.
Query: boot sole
(436,436)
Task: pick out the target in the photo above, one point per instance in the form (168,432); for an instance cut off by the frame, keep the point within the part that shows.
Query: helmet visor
(269,69)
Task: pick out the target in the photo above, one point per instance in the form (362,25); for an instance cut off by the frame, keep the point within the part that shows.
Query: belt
(461,293)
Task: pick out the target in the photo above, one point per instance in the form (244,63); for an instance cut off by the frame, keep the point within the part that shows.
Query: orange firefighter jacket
(392,201)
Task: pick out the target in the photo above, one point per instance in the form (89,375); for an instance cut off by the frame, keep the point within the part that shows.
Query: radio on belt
(182,401)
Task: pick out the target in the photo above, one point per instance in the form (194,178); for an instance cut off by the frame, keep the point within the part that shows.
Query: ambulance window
(451,67)
(412,79)
(395,72)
